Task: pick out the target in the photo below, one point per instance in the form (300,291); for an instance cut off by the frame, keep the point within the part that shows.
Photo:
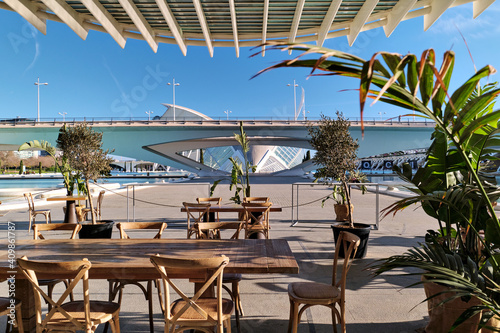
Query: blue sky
(96,78)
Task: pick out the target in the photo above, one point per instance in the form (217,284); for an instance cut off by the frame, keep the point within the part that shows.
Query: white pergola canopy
(231,23)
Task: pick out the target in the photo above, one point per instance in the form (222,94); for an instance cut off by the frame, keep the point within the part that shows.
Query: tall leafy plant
(240,172)
(454,186)
(82,147)
(335,155)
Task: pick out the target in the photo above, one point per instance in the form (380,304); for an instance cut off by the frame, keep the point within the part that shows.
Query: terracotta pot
(342,212)
(442,317)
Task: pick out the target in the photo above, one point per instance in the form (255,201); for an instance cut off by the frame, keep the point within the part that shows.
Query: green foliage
(240,172)
(21,165)
(455,186)
(69,175)
(82,149)
(335,155)
(40,168)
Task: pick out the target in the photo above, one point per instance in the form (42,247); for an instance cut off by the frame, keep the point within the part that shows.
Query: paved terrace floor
(373,304)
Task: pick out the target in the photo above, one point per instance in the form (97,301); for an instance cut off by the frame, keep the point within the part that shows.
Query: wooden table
(129,259)
(70,215)
(233,209)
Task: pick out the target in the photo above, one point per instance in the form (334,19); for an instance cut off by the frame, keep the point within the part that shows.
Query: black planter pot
(361,230)
(103,229)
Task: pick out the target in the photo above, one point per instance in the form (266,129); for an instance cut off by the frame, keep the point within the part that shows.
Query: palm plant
(240,173)
(454,186)
(71,178)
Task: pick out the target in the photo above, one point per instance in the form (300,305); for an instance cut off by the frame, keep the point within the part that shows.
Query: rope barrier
(151,202)
(177,206)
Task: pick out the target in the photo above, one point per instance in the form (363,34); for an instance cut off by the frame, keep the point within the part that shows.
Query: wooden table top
(67,198)
(233,208)
(129,258)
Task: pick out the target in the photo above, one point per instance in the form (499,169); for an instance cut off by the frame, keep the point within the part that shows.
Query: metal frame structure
(231,23)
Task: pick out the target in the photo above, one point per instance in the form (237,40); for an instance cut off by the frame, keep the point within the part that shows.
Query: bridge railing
(59,121)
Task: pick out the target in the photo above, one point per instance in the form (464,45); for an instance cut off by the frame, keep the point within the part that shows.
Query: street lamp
(149,114)
(227,112)
(63,114)
(173,84)
(294,98)
(380,114)
(38,84)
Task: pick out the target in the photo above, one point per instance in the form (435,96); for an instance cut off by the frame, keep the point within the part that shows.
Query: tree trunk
(348,199)
(90,201)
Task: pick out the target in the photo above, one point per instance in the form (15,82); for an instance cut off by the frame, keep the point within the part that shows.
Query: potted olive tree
(82,147)
(335,157)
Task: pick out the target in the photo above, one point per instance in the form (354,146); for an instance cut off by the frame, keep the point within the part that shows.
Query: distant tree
(40,168)
(21,165)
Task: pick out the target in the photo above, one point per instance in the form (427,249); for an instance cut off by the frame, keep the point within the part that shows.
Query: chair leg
(160,295)
(31,221)
(334,320)
(19,319)
(292,316)
(66,284)
(237,298)
(295,319)
(228,326)
(149,297)
(112,324)
(111,296)
(50,288)
(342,317)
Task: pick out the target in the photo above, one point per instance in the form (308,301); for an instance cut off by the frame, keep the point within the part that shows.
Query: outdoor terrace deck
(373,305)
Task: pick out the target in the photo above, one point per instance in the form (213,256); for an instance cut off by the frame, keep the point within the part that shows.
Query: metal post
(127,204)
(37,83)
(377,206)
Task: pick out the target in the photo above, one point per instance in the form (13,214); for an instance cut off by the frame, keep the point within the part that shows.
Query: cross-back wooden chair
(73,316)
(32,212)
(37,234)
(256,218)
(116,285)
(255,199)
(73,227)
(212,216)
(97,207)
(196,213)
(204,231)
(5,309)
(196,312)
(211,230)
(313,293)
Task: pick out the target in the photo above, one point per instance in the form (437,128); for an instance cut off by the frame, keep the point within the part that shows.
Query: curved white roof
(182,113)
(233,23)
